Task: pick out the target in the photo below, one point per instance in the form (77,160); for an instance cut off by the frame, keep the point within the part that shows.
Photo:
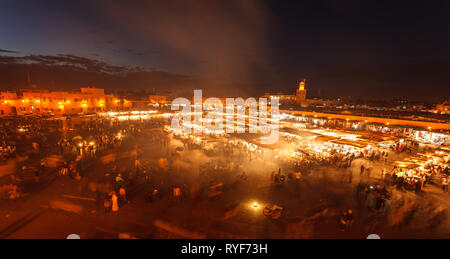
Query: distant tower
(30,84)
(300,97)
(28,79)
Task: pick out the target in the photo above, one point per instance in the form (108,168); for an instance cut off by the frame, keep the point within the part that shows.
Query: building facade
(158,99)
(289,99)
(443,107)
(44,102)
(283,99)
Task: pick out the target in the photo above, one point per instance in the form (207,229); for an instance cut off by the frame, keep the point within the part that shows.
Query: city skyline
(248,48)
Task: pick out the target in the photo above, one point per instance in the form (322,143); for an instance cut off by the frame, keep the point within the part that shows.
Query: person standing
(119,180)
(176,194)
(137,165)
(445,184)
(107,204)
(155,195)
(123,195)
(298,176)
(115,204)
(418,186)
(349,220)
(343,222)
(383,174)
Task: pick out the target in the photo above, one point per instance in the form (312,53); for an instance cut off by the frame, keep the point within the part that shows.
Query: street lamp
(254,205)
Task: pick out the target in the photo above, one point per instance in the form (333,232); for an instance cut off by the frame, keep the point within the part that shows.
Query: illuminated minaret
(301,93)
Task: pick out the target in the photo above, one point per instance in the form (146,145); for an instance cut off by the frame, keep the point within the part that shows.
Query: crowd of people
(96,137)
(7,151)
(417,178)
(19,136)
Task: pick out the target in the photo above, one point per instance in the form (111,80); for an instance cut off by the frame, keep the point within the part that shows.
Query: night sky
(363,49)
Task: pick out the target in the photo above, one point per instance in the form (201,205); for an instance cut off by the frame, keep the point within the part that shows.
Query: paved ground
(59,206)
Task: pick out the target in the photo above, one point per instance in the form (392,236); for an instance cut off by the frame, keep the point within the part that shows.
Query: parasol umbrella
(78,137)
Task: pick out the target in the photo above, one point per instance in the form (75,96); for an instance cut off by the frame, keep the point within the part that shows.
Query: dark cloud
(72,72)
(8,51)
(67,60)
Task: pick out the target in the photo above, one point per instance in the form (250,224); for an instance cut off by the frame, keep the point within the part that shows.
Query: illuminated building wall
(283,99)
(159,99)
(38,101)
(5,102)
(444,107)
